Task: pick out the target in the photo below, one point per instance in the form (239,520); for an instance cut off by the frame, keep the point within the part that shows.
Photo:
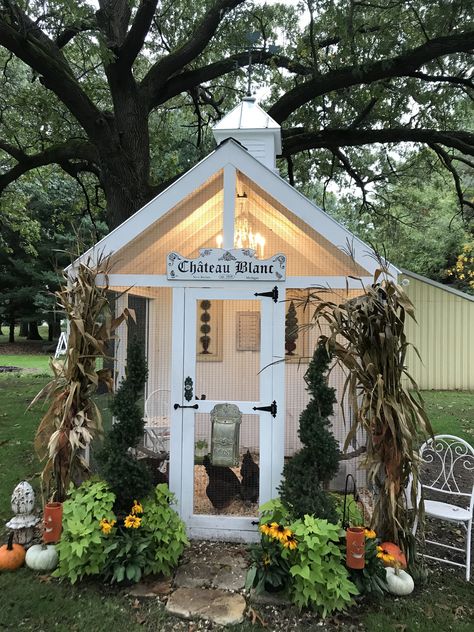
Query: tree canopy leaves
(98,90)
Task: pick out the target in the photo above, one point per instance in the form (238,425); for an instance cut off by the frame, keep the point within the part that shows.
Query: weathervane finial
(252,38)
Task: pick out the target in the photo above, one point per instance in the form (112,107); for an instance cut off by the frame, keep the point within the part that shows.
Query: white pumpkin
(42,557)
(399,582)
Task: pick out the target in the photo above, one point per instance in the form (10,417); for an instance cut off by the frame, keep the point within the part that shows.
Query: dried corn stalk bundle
(368,341)
(72,419)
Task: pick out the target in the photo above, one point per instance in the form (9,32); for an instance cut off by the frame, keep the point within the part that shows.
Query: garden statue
(24,521)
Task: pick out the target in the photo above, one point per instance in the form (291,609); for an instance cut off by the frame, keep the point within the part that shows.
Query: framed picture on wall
(248,331)
(209,331)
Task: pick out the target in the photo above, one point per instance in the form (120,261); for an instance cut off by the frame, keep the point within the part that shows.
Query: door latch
(272,409)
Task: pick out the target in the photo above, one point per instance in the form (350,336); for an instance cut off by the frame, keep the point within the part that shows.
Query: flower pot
(355,547)
(53,518)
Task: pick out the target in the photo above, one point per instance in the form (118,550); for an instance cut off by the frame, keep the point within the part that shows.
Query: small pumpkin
(12,555)
(395,551)
(42,557)
(399,582)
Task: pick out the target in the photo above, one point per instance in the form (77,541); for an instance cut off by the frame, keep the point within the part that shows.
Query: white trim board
(300,282)
(230,152)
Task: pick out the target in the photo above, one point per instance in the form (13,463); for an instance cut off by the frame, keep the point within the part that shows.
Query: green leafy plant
(305,555)
(354,514)
(168,532)
(82,549)
(306,473)
(127,476)
(320,579)
(149,539)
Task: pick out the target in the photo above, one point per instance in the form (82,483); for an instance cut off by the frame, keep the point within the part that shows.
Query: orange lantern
(355,547)
(355,536)
(53,518)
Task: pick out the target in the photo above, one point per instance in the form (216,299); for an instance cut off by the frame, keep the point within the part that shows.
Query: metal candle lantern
(355,536)
(225,438)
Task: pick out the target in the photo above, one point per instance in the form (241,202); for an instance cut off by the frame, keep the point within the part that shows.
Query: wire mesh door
(228,377)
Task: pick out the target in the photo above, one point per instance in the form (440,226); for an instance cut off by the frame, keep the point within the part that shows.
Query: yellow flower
(290,542)
(385,556)
(106,525)
(132,522)
(266,560)
(137,508)
(279,532)
(370,534)
(265,529)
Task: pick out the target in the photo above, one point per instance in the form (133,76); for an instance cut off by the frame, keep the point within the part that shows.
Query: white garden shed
(215,267)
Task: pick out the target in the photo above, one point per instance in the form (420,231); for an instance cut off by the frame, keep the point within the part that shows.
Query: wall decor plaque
(237,264)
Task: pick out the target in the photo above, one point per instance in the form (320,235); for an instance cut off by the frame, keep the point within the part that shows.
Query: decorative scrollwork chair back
(157,420)
(447,476)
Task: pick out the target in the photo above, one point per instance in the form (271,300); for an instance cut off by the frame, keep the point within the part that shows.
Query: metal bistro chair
(157,421)
(447,473)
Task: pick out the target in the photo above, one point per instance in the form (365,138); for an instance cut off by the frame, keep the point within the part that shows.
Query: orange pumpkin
(395,551)
(12,555)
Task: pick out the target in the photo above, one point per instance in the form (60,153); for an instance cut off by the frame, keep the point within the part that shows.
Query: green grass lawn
(34,602)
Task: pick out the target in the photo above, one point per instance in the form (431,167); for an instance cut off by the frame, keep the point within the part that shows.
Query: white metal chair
(157,421)
(447,474)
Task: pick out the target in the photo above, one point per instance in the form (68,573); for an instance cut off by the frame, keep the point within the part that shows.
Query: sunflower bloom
(290,542)
(385,556)
(265,529)
(370,534)
(132,522)
(106,525)
(137,508)
(280,532)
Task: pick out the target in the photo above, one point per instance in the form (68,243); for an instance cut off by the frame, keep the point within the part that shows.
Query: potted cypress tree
(128,477)
(310,469)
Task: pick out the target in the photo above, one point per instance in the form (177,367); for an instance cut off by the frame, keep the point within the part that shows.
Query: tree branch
(333,138)
(160,72)
(74,29)
(460,81)
(400,66)
(34,47)
(447,162)
(191,78)
(82,152)
(136,36)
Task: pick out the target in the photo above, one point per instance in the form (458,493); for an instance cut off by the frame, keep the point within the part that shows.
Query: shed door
(229,353)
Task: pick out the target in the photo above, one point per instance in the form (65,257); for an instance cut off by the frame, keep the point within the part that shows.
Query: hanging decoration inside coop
(225,435)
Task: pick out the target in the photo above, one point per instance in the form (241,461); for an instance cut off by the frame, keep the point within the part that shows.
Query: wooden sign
(239,264)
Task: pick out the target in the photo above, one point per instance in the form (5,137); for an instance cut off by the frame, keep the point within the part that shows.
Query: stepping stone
(151,589)
(219,606)
(206,575)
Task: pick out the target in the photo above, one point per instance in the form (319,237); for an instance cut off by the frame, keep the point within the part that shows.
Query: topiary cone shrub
(305,475)
(128,478)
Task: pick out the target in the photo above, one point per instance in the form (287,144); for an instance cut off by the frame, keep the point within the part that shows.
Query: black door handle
(176,406)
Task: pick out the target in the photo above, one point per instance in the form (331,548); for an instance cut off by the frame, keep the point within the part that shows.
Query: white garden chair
(157,421)
(447,474)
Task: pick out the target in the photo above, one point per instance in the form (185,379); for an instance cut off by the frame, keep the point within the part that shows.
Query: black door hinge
(176,406)
(273,294)
(272,409)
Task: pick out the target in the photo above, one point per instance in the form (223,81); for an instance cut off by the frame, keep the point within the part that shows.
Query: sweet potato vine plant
(367,339)
(72,418)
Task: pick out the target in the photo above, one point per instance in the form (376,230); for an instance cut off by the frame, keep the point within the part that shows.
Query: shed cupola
(253,128)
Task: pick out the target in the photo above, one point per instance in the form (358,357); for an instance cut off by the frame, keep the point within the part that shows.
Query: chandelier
(244,233)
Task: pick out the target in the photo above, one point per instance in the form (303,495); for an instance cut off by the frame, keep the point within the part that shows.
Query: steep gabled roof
(231,152)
